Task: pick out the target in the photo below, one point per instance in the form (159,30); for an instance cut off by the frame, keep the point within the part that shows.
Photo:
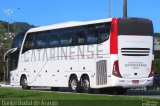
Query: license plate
(135,81)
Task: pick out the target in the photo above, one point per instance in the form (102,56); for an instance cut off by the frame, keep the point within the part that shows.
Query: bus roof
(67,24)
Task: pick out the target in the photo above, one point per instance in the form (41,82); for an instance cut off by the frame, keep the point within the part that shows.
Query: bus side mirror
(7,54)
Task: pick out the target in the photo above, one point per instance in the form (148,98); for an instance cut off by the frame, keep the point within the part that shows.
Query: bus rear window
(135,26)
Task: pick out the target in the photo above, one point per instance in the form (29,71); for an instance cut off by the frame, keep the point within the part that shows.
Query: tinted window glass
(17,42)
(98,33)
(92,34)
(41,40)
(135,27)
(80,34)
(53,39)
(29,42)
(104,31)
(66,38)
(13,60)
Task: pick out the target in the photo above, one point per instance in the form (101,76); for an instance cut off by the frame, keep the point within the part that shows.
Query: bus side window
(53,39)
(41,40)
(80,37)
(66,38)
(104,32)
(92,34)
(29,42)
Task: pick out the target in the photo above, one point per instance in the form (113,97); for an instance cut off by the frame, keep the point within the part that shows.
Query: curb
(8,86)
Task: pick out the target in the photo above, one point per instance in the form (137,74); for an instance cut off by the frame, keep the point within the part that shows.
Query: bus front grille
(101,72)
(135,51)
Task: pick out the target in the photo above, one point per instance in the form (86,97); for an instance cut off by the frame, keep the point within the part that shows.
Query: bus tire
(24,83)
(85,84)
(74,84)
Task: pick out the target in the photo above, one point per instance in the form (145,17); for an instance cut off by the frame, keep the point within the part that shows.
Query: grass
(69,99)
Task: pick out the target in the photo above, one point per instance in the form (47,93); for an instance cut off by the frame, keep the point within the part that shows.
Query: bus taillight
(116,71)
(152,69)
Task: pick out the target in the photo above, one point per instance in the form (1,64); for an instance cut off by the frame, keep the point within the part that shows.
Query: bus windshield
(17,42)
(135,26)
(13,57)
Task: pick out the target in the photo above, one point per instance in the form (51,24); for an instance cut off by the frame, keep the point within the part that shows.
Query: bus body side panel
(14,78)
(47,69)
(31,66)
(100,76)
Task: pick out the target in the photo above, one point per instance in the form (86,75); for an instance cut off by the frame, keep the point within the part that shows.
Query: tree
(157,66)
(157,34)
(5,44)
(6,39)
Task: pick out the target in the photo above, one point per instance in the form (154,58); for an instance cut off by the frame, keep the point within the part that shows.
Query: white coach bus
(100,54)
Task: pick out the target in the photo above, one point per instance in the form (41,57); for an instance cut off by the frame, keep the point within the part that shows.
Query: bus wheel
(73,84)
(24,83)
(85,85)
(54,88)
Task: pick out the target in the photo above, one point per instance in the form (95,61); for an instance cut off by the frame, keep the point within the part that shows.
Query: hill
(14,27)
(23,25)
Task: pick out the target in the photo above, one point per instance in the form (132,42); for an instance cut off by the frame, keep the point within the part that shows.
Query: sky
(48,12)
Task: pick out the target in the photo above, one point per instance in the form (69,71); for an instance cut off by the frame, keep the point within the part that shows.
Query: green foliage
(5,44)
(157,34)
(157,54)
(157,57)
(14,28)
(157,65)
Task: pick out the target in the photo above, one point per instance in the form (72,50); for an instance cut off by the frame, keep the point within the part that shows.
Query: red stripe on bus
(114,37)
